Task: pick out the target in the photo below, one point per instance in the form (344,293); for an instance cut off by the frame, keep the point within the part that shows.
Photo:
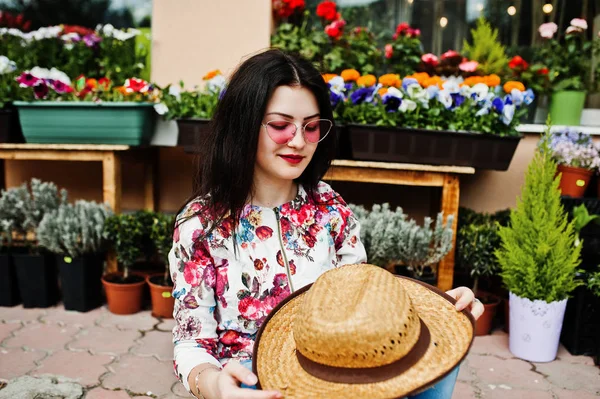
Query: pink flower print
(230,337)
(191,274)
(286,226)
(305,212)
(280,280)
(176,233)
(250,308)
(259,264)
(280,259)
(292,267)
(309,239)
(28,80)
(222,284)
(190,301)
(209,344)
(264,233)
(314,229)
(225,228)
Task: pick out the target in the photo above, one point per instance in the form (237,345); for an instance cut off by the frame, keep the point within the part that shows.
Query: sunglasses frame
(303,127)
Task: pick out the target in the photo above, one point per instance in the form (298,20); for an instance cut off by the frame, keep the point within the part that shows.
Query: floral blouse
(222,297)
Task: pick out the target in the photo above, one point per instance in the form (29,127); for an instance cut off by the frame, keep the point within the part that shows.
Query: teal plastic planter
(64,122)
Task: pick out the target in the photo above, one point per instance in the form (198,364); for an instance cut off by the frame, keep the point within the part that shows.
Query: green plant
(188,104)
(146,219)
(403,54)
(581,217)
(8,84)
(476,244)
(356,50)
(74,230)
(162,237)
(303,39)
(538,255)
(593,282)
(486,49)
(126,234)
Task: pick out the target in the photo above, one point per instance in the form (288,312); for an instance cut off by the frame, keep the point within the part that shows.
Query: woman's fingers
(477,309)
(240,373)
(465,298)
(234,373)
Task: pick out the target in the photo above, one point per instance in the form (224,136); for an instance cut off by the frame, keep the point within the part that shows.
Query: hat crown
(356,316)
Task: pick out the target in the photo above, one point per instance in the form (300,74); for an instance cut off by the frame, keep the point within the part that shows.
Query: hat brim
(277,366)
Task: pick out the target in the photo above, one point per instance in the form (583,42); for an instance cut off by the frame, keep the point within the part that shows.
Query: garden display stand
(445,177)
(109,155)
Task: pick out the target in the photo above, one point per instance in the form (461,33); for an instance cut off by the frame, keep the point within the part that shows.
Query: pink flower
(430,59)
(402,27)
(579,23)
(191,274)
(413,32)
(450,54)
(389,51)
(468,66)
(335,29)
(250,308)
(40,90)
(548,30)
(61,87)
(573,29)
(28,80)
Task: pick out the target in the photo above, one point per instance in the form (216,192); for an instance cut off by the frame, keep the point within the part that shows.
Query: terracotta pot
(483,326)
(162,300)
(123,298)
(574,181)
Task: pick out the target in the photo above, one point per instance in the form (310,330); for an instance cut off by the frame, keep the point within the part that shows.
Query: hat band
(346,375)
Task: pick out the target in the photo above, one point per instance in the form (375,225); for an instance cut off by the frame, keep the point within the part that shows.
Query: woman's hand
(466,299)
(228,379)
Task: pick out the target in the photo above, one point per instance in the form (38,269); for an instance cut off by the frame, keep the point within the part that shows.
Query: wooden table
(110,156)
(446,177)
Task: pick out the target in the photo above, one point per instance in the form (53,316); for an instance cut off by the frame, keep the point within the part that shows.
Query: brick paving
(98,355)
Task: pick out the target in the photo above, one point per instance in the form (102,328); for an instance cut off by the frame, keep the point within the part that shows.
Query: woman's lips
(293,159)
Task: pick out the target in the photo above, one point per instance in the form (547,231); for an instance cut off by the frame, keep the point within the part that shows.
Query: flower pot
(574,181)
(80,281)
(490,302)
(61,122)
(123,297)
(9,289)
(535,328)
(566,107)
(581,330)
(590,117)
(191,133)
(37,278)
(10,127)
(432,147)
(162,300)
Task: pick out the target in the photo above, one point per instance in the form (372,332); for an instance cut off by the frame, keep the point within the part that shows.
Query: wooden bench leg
(450,201)
(111,189)
(151,197)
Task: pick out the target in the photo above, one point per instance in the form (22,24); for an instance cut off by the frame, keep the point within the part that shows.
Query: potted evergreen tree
(124,290)
(74,233)
(539,259)
(476,244)
(23,208)
(162,285)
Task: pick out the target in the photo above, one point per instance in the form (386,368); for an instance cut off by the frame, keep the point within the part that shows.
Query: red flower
(135,85)
(259,264)
(518,62)
(543,71)
(402,27)
(327,10)
(104,83)
(191,274)
(225,227)
(309,240)
(292,267)
(430,59)
(264,233)
(413,32)
(230,337)
(389,51)
(314,229)
(280,258)
(450,54)
(80,30)
(335,29)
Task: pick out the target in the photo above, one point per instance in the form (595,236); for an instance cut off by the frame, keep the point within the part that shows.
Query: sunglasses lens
(316,131)
(281,132)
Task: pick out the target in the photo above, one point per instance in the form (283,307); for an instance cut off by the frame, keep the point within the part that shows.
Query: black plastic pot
(80,280)
(10,126)
(38,280)
(590,234)
(9,289)
(427,277)
(192,131)
(433,147)
(581,327)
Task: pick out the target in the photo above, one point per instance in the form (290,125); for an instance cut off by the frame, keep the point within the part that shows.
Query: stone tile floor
(55,353)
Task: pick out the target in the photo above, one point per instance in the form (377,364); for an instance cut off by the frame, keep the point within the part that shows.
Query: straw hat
(360,331)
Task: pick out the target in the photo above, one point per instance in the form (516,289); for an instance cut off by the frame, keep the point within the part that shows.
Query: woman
(261,225)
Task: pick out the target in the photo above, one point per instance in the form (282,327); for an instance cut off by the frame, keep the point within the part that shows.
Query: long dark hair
(225,170)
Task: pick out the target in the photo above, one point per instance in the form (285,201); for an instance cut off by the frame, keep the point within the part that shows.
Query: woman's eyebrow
(290,116)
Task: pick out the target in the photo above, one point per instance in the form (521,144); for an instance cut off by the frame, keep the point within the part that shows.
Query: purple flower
(408,81)
(91,40)
(60,87)
(392,104)
(458,99)
(40,90)
(361,94)
(498,104)
(222,93)
(335,98)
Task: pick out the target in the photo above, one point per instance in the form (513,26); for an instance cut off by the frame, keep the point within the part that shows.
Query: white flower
(432,91)
(69,37)
(6,65)
(548,30)
(508,113)
(579,23)
(517,97)
(124,35)
(161,108)
(445,97)
(49,32)
(336,85)
(54,74)
(216,84)
(393,92)
(452,86)
(481,91)
(407,105)
(175,91)
(108,30)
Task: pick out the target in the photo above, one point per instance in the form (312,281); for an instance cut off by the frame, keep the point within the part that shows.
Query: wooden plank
(385,176)
(450,203)
(405,166)
(151,195)
(111,180)
(51,155)
(65,147)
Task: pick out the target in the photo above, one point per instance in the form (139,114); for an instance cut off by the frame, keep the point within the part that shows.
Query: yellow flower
(513,84)
(350,75)
(366,81)
(390,80)
(492,80)
(211,74)
(328,76)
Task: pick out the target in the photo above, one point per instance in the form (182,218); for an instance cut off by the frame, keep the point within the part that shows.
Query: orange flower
(513,84)
(211,74)
(93,83)
(382,91)
(492,80)
(432,81)
(328,76)
(366,81)
(473,80)
(122,90)
(420,77)
(390,80)
(350,75)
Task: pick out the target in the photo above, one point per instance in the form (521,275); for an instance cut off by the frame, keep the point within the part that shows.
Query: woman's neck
(272,193)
